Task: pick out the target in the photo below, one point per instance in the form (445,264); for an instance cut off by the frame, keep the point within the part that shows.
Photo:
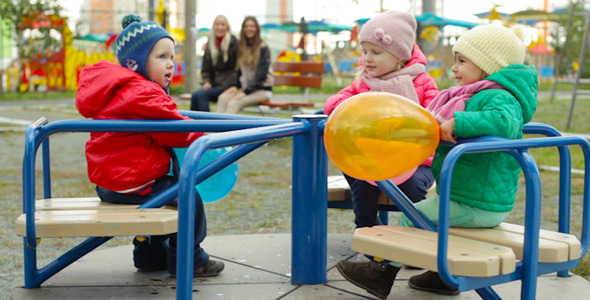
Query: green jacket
(489,180)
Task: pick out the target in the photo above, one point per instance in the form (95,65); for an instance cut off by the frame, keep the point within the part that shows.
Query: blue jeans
(201,98)
(365,196)
(161,250)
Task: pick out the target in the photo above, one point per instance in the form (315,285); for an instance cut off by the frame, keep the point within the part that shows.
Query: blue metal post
(310,205)
(46,170)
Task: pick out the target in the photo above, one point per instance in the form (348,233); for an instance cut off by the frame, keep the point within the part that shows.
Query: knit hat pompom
(492,47)
(135,42)
(518,30)
(128,19)
(393,31)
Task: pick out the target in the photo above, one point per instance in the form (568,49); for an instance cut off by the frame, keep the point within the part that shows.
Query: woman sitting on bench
(254,77)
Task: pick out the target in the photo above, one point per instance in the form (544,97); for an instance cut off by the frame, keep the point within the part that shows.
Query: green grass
(9,96)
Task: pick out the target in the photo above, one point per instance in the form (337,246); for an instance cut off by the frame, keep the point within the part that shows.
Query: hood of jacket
(521,81)
(99,82)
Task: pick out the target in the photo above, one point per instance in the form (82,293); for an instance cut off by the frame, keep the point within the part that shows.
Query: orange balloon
(378,136)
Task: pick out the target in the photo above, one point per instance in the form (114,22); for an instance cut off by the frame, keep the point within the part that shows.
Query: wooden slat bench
(340,196)
(472,251)
(417,247)
(77,203)
(88,216)
(306,74)
(553,246)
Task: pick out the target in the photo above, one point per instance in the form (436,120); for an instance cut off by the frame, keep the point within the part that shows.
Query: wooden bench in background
(306,75)
(340,196)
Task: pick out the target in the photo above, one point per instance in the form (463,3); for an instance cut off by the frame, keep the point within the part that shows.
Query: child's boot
(376,278)
(431,282)
(149,253)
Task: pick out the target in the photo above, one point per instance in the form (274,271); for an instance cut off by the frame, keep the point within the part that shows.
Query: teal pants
(460,215)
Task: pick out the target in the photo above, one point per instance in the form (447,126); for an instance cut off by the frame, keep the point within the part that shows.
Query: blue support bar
(186,191)
(532,225)
(309,205)
(46,170)
(529,269)
(565,167)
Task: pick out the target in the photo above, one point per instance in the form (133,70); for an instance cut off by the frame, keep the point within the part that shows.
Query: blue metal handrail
(311,192)
(528,269)
(38,134)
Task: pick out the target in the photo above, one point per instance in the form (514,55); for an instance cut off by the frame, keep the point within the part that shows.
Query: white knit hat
(491,47)
(393,31)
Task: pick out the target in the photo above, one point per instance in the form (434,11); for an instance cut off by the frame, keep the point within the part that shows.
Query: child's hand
(446,131)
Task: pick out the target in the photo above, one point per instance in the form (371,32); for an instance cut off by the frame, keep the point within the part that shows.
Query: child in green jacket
(496,94)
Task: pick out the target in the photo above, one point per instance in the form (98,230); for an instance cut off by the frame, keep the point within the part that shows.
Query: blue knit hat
(135,42)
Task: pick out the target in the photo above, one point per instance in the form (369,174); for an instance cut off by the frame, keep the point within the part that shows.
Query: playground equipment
(309,194)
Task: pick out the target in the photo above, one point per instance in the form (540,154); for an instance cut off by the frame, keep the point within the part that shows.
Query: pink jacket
(425,85)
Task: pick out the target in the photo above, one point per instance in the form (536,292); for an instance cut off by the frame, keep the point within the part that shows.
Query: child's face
(465,71)
(160,64)
(377,61)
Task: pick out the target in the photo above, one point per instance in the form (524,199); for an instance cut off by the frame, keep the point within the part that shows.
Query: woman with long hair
(254,78)
(219,64)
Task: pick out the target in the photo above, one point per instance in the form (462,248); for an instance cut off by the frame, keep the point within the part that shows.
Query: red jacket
(117,160)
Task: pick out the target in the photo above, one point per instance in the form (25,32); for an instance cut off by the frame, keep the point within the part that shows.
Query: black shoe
(149,253)
(376,278)
(431,282)
(212,268)
(412,267)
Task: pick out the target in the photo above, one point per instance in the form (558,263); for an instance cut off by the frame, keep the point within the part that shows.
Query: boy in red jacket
(131,167)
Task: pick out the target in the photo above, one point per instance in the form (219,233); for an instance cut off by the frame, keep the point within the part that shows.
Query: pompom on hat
(393,31)
(135,42)
(492,47)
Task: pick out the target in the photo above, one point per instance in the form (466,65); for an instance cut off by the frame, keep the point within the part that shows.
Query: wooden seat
(88,216)
(305,74)
(101,222)
(340,196)
(78,203)
(417,247)
(185,96)
(284,104)
(554,246)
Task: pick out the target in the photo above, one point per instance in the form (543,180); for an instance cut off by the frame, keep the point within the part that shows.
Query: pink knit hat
(393,31)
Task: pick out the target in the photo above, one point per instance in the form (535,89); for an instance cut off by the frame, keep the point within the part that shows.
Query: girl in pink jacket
(391,62)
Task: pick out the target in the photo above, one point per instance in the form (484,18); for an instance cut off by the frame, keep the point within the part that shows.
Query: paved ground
(257,268)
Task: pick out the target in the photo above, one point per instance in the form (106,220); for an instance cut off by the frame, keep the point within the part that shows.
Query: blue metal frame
(528,269)
(38,133)
(309,193)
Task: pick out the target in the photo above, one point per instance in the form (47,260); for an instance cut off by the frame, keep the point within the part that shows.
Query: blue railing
(309,192)
(528,269)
